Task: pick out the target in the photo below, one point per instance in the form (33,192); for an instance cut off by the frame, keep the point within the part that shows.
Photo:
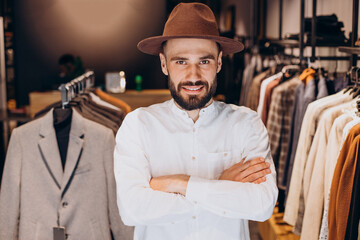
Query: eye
(181,62)
(205,62)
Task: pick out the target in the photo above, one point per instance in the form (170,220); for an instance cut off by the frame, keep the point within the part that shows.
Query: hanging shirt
(324,232)
(263,89)
(267,99)
(341,186)
(279,122)
(162,140)
(248,75)
(307,133)
(252,100)
(314,174)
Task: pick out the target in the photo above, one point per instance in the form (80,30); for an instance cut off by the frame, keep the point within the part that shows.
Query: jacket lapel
(49,149)
(74,150)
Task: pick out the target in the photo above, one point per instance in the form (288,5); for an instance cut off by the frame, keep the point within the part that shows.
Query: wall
(103,32)
(243,16)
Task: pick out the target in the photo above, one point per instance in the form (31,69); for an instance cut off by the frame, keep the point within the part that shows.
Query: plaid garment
(252,100)
(279,123)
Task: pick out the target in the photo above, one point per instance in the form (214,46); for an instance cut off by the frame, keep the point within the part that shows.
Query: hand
(170,183)
(253,171)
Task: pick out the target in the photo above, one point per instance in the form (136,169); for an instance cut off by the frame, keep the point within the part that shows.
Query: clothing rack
(76,86)
(354,51)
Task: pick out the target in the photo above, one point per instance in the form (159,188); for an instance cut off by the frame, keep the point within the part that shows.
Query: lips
(192,89)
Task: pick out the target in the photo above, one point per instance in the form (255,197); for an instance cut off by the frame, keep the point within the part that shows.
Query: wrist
(181,182)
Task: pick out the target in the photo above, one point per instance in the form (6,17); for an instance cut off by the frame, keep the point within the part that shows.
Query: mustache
(197,83)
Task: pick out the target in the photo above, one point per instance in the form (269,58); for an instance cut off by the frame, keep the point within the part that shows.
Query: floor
(254,233)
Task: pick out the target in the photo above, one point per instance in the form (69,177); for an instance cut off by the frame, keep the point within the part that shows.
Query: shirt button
(194,217)
(64,204)
(194,129)
(225,154)
(224,213)
(193,158)
(195,202)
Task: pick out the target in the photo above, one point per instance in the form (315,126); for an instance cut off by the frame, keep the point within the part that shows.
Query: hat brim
(153,45)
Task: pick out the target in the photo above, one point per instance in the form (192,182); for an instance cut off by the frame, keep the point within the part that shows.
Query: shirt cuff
(197,189)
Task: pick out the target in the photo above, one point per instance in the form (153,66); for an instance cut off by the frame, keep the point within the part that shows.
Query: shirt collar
(206,111)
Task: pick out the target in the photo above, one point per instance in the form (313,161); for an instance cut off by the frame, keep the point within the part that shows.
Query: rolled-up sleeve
(137,202)
(235,199)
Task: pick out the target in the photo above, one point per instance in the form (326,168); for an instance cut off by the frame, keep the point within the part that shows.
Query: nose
(193,73)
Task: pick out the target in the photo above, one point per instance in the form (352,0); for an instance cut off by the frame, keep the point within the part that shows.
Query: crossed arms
(252,171)
(244,191)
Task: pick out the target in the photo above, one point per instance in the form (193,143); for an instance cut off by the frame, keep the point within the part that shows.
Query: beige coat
(35,190)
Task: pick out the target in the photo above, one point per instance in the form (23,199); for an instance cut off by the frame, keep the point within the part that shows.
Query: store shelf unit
(351,50)
(300,43)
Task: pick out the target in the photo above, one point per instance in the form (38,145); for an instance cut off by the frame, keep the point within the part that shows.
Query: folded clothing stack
(328,31)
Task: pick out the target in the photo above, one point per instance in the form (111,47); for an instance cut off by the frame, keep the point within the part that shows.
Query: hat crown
(191,19)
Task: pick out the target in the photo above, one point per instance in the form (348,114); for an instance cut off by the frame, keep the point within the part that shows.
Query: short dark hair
(66,58)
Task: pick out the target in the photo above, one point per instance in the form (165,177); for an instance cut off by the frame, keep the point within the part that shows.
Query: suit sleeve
(235,199)
(138,203)
(118,229)
(10,190)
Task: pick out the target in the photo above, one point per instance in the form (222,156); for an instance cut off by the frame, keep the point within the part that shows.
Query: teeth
(192,89)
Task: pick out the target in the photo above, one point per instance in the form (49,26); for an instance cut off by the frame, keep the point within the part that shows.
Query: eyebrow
(176,58)
(208,57)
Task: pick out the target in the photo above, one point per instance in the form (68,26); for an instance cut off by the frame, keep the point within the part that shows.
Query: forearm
(234,199)
(140,205)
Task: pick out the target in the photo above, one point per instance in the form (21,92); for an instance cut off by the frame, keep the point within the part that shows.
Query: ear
(163,64)
(219,62)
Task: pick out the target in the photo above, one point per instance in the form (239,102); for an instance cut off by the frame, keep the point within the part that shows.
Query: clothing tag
(59,233)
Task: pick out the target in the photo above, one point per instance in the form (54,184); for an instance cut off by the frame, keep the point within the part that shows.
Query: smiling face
(191,65)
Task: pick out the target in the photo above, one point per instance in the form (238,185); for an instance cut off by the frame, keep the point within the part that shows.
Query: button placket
(194,156)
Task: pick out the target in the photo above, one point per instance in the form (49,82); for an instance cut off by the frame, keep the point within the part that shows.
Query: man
(192,167)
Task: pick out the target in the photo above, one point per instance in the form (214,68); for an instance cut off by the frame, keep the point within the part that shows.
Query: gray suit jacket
(36,194)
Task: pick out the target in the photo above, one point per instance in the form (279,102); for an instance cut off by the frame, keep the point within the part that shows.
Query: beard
(192,102)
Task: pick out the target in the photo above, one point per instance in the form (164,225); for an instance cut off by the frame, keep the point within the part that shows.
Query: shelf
(143,98)
(295,44)
(286,43)
(351,50)
(5,116)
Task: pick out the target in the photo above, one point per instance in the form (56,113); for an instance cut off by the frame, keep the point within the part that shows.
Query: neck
(194,114)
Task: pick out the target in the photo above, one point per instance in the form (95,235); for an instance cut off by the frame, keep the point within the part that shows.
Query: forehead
(192,46)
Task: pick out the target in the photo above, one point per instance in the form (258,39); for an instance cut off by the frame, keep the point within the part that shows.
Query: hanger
(307,75)
(356,88)
(350,76)
(289,71)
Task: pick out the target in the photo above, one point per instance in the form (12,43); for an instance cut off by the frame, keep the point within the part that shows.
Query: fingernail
(268,170)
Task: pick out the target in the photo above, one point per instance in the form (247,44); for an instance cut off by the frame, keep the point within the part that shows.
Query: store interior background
(104,33)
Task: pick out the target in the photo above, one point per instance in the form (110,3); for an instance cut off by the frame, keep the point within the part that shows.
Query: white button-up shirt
(162,140)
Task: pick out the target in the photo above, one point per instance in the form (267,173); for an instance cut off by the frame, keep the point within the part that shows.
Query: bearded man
(192,167)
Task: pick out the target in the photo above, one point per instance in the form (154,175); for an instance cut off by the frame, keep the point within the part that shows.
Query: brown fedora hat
(190,20)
